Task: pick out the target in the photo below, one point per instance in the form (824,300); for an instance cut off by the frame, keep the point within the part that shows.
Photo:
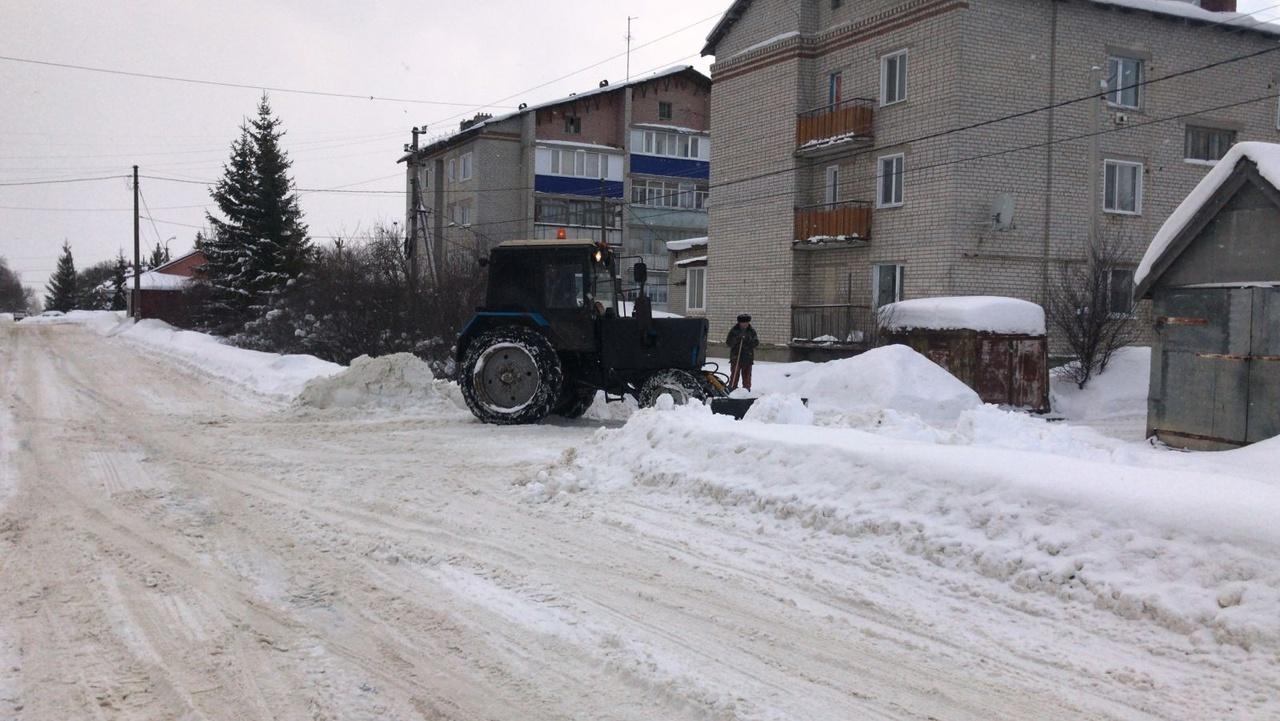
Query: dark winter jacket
(747,340)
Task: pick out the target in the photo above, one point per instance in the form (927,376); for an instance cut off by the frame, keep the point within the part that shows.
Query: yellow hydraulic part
(715,382)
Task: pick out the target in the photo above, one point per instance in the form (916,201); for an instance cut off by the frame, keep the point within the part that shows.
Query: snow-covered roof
(1265,155)
(672,128)
(155,280)
(673,70)
(686,244)
(993,314)
(691,261)
(1191,11)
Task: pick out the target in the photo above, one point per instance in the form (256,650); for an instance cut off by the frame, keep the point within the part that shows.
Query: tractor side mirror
(641,272)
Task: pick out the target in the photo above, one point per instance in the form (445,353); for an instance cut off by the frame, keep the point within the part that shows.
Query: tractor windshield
(603,288)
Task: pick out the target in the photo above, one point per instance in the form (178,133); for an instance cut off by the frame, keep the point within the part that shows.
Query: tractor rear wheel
(511,376)
(682,386)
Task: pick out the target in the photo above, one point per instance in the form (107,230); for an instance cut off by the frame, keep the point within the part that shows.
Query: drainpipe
(1048,153)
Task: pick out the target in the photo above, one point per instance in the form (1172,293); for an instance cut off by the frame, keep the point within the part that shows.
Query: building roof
(557,243)
(1170,8)
(476,128)
(1194,211)
(678,245)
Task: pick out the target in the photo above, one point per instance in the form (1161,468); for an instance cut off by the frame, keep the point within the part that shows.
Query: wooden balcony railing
(841,324)
(850,220)
(847,119)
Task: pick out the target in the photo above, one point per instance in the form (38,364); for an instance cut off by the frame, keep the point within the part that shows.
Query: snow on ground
(1113,402)
(398,381)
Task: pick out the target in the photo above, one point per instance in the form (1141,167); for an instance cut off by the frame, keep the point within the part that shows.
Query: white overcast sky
(59,123)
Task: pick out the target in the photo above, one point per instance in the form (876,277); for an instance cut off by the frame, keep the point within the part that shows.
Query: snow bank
(687,244)
(283,376)
(1188,549)
(993,314)
(784,409)
(893,377)
(6,317)
(399,381)
(1118,392)
(1266,155)
(100,321)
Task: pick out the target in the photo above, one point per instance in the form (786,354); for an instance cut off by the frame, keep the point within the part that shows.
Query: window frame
(668,107)
(453,170)
(573,125)
(901,160)
(884,76)
(1207,130)
(1133,302)
(701,272)
(831,188)
(1138,189)
(1114,93)
(875,283)
(835,89)
(464,166)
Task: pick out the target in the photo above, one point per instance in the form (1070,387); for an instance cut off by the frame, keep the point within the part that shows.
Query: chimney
(1219,6)
(479,118)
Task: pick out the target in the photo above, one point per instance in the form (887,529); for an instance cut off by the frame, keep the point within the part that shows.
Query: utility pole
(137,253)
(629,19)
(414,199)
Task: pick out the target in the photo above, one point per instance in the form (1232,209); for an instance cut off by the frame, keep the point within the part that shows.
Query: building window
(460,213)
(893,78)
(669,194)
(579,213)
(833,185)
(453,169)
(1124,78)
(1120,292)
(573,163)
(697,288)
(886,284)
(889,187)
(1208,143)
(464,163)
(1123,191)
(835,89)
(664,111)
(835,4)
(573,124)
(672,145)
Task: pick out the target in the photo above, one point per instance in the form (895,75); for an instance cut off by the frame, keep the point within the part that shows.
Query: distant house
(162,287)
(688,276)
(1213,276)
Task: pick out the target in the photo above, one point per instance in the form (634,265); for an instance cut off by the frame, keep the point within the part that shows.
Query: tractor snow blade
(736,407)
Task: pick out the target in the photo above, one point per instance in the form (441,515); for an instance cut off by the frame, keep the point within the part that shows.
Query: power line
(65,180)
(219,83)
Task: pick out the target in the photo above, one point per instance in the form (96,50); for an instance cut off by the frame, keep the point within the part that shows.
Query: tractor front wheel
(682,386)
(511,376)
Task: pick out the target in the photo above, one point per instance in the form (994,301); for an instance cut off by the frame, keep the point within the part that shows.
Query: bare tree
(1091,309)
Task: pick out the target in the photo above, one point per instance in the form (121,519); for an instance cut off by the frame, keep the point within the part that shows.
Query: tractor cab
(555,330)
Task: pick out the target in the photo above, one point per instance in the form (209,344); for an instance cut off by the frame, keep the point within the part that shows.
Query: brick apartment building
(544,168)
(841,182)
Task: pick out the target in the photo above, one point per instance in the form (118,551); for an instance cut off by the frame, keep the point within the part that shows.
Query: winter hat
(744,318)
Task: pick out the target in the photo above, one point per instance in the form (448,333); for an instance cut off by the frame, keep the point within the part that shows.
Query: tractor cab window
(602,289)
(564,285)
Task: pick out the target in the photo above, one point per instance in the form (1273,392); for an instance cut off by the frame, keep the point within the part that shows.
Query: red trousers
(740,370)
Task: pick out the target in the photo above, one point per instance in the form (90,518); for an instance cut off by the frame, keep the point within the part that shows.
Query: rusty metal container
(1007,369)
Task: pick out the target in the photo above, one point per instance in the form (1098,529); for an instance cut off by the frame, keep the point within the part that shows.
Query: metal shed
(1213,276)
(997,346)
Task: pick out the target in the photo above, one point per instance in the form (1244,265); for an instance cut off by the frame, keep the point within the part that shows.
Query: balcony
(833,126)
(847,222)
(839,325)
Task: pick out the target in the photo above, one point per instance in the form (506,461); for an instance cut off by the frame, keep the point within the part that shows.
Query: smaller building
(162,293)
(996,346)
(1212,273)
(687,277)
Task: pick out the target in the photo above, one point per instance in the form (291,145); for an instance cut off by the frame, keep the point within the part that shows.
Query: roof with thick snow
(1164,247)
(573,98)
(988,313)
(1170,8)
(686,244)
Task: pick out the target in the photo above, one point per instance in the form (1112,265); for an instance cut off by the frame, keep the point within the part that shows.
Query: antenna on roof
(629,19)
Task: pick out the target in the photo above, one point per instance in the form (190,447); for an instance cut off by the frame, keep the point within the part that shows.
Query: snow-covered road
(176,548)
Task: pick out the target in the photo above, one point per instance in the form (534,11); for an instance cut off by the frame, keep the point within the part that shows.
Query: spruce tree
(159,256)
(282,249)
(259,245)
(61,289)
(119,283)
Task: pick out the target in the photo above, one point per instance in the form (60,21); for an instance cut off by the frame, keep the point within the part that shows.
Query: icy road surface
(175,548)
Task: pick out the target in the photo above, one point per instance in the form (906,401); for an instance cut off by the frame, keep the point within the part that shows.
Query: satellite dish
(1002,212)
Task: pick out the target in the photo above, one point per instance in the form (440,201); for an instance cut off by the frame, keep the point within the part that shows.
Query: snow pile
(283,376)
(1117,393)
(6,317)
(686,244)
(100,321)
(400,381)
(1192,11)
(1178,546)
(784,409)
(1267,157)
(617,411)
(993,314)
(892,377)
